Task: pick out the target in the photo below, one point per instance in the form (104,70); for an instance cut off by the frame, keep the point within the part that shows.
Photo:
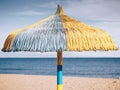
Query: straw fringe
(83,37)
(45,37)
(10,39)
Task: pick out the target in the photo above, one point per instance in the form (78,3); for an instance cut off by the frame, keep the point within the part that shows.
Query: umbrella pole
(59,70)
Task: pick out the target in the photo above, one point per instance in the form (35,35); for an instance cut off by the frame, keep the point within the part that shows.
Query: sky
(103,14)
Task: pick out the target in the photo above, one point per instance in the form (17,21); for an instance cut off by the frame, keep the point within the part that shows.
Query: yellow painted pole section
(59,87)
(59,70)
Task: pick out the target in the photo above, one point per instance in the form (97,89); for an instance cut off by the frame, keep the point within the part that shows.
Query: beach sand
(36,82)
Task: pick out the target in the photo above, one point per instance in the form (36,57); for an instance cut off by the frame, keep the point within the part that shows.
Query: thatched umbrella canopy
(58,33)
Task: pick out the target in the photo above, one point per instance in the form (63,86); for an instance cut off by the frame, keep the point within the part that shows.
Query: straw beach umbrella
(59,33)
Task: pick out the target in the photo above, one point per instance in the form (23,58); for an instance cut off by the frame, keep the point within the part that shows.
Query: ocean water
(80,67)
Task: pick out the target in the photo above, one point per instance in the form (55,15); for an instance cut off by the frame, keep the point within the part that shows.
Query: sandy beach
(36,82)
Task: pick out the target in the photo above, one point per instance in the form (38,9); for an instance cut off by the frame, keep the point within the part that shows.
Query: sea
(76,67)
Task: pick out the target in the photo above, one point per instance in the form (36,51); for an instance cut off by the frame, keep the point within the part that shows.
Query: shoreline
(63,76)
(45,82)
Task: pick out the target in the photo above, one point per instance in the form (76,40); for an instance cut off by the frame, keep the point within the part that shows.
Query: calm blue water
(83,67)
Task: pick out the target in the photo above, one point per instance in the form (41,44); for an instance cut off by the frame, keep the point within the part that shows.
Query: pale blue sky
(104,14)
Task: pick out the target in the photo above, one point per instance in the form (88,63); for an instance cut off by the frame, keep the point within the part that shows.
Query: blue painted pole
(59,70)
